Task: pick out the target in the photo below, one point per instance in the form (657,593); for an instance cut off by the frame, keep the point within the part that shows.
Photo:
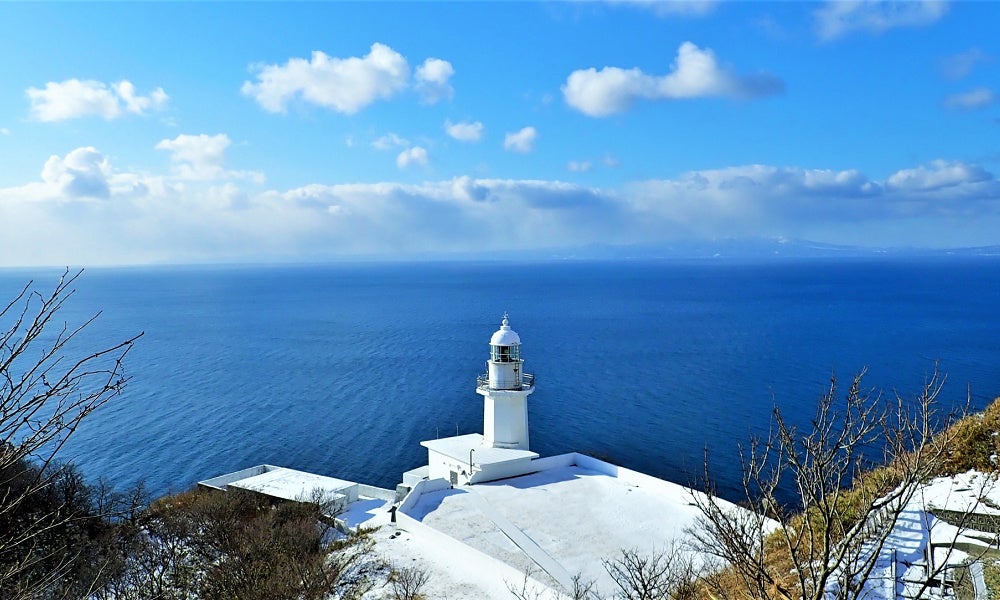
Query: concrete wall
(220,482)
(350,492)
(440,466)
(370,491)
(413,476)
(492,472)
(424,487)
(554,462)
(335,504)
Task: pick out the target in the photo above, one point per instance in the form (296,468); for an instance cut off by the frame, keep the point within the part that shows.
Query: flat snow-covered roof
(561,521)
(290,484)
(459,448)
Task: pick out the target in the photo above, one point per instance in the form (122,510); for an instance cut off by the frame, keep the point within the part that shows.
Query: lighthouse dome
(505,336)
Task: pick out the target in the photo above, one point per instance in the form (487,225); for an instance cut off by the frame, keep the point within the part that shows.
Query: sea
(342,369)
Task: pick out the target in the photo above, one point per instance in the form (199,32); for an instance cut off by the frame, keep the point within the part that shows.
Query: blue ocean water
(344,369)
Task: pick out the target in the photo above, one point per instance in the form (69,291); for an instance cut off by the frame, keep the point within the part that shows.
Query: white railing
(483,382)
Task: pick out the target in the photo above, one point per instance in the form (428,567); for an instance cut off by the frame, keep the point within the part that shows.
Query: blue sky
(190,133)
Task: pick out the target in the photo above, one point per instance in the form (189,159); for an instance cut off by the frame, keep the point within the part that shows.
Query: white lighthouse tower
(505,389)
(502,449)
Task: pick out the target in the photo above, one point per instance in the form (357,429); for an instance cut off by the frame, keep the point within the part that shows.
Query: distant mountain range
(732,249)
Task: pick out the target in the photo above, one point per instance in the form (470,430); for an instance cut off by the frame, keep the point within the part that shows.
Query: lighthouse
(502,449)
(505,389)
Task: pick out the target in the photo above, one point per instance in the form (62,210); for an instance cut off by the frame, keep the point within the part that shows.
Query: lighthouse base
(465,459)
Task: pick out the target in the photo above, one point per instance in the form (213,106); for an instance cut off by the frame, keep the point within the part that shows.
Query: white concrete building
(352,504)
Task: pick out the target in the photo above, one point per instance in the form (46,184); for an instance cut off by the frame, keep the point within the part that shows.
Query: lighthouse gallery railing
(483,381)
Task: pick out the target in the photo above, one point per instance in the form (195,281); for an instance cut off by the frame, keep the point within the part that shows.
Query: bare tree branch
(846,504)
(47,388)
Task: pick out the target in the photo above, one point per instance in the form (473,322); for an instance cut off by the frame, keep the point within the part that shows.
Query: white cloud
(139,104)
(670,8)
(83,173)
(203,149)
(412,156)
(202,157)
(695,74)
(838,18)
(345,85)
(937,176)
(75,98)
(971,100)
(432,80)
(197,156)
(957,66)
(389,141)
(581,166)
(464,132)
(4,131)
(521,141)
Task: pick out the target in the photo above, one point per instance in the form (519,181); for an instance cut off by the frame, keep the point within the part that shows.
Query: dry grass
(971,443)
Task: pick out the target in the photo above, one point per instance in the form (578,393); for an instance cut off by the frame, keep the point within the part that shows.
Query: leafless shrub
(668,574)
(406,583)
(845,507)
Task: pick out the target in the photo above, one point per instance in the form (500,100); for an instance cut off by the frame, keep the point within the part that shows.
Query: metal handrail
(483,381)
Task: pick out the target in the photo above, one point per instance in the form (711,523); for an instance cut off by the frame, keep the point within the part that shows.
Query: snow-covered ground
(456,571)
(479,541)
(554,524)
(902,567)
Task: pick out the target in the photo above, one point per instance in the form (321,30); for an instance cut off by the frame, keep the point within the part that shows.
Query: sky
(176,133)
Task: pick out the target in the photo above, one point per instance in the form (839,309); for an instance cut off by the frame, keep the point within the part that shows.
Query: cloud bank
(695,73)
(90,212)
